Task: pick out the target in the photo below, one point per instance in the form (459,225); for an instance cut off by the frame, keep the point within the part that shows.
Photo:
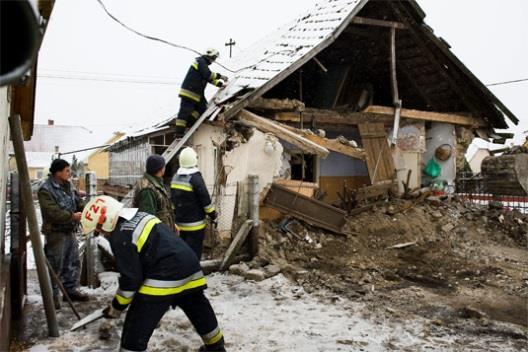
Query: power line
(507,82)
(163,41)
(106,74)
(112,80)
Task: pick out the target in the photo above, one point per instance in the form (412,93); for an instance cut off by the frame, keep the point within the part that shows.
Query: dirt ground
(456,281)
(460,264)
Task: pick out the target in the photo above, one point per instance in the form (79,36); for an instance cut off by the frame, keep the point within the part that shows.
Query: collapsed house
(353,98)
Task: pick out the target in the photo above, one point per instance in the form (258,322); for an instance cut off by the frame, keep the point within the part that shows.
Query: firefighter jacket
(151,196)
(197,77)
(191,200)
(57,203)
(152,261)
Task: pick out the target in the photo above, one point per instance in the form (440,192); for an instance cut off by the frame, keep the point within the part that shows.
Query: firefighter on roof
(193,102)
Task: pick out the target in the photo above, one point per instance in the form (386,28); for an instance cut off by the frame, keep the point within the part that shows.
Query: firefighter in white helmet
(157,270)
(193,102)
(192,202)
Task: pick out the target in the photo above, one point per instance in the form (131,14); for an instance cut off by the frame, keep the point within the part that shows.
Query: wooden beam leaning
(379,23)
(281,132)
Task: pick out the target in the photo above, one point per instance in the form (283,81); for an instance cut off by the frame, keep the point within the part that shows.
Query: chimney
(51,122)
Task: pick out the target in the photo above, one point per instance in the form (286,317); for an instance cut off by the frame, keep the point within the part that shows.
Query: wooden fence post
(90,249)
(254,200)
(15,127)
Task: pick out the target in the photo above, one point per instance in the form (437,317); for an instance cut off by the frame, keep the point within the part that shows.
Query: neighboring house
(347,73)
(51,141)
(98,160)
(476,160)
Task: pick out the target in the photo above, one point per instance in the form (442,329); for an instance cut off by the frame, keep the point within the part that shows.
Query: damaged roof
(272,59)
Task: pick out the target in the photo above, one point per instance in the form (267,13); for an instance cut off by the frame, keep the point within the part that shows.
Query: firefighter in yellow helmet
(157,270)
(191,200)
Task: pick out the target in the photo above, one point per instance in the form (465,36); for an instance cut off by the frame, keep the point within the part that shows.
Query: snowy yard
(273,315)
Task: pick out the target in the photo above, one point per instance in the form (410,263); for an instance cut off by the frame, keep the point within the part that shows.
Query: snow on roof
(290,46)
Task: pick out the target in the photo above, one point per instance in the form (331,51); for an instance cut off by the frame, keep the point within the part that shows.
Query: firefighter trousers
(145,312)
(189,112)
(195,240)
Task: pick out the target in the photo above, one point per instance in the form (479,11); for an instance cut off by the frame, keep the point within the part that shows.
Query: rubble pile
(417,256)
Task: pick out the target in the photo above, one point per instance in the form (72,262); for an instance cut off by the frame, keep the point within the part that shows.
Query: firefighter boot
(217,347)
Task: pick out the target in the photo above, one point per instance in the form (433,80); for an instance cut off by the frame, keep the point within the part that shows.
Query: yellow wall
(100,164)
(99,161)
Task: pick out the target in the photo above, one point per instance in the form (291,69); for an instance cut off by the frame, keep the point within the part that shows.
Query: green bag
(432,169)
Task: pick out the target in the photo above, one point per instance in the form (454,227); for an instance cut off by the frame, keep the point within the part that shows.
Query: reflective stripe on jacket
(191,201)
(152,261)
(196,80)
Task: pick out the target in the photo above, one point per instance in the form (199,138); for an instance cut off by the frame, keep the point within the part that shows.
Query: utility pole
(230,44)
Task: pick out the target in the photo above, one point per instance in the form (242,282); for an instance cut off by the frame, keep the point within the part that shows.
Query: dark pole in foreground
(34,233)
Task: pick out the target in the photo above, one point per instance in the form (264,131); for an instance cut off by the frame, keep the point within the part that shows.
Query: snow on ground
(273,315)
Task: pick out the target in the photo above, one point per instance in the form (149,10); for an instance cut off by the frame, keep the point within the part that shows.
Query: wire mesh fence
(472,189)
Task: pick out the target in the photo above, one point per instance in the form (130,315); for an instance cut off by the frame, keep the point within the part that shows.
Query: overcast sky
(96,74)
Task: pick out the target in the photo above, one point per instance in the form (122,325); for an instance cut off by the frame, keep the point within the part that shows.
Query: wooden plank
(312,211)
(375,113)
(378,23)
(236,244)
(428,116)
(281,132)
(378,156)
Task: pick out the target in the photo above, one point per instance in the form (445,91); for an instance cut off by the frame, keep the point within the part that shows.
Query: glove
(224,78)
(220,84)
(111,313)
(212,215)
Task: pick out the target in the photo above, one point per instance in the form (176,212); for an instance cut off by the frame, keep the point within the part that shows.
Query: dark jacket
(196,80)
(57,205)
(191,201)
(152,261)
(151,196)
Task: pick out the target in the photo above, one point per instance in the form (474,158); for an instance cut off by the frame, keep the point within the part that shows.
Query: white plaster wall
(476,161)
(248,158)
(438,134)
(203,141)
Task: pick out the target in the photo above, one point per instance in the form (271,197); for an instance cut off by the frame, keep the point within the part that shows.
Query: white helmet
(102,212)
(212,53)
(188,158)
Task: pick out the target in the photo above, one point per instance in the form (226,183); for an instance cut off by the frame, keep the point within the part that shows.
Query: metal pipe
(29,208)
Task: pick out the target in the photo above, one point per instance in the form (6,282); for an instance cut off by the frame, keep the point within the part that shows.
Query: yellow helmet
(188,158)
(101,212)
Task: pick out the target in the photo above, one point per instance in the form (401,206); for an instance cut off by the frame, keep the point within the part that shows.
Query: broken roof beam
(269,126)
(428,116)
(331,144)
(277,104)
(378,23)
(374,113)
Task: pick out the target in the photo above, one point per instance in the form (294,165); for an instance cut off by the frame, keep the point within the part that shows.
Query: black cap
(58,165)
(155,163)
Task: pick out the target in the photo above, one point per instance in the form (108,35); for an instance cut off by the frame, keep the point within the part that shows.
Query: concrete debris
(255,275)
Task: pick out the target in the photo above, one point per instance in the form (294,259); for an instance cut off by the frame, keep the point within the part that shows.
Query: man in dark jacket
(157,271)
(192,202)
(193,102)
(150,194)
(61,205)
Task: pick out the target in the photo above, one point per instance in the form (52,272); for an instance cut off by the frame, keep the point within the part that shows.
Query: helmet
(212,53)
(188,158)
(102,212)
